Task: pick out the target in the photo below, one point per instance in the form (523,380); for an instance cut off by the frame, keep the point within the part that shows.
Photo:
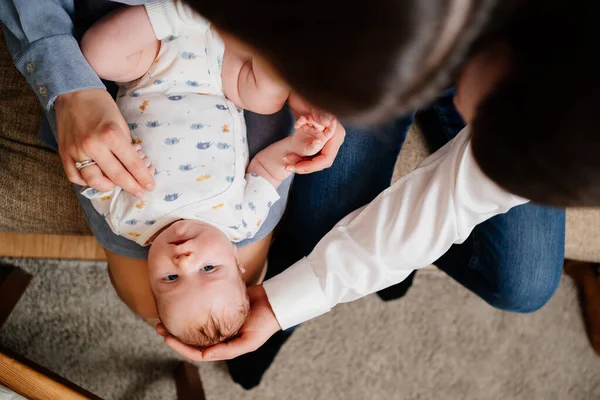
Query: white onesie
(194,136)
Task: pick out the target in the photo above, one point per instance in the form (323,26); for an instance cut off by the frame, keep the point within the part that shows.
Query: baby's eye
(171,278)
(208,268)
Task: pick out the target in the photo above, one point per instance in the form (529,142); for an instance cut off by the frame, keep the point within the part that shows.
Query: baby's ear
(237,259)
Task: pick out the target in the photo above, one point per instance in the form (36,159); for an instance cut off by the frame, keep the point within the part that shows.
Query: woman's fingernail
(150,186)
(290,168)
(139,195)
(286,160)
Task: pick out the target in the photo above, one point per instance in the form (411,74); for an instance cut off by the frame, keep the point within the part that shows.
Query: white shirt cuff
(295,295)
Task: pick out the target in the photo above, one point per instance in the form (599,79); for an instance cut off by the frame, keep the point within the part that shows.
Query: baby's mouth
(178,242)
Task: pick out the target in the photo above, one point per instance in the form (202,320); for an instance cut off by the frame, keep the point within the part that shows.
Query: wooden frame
(26,245)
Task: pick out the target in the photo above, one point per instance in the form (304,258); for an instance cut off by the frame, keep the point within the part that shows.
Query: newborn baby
(182,102)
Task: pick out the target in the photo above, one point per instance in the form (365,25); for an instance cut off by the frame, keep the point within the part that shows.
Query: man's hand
(325,158)
(91,127)
(259,327)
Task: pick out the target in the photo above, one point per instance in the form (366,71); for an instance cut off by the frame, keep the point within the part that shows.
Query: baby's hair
(216,329)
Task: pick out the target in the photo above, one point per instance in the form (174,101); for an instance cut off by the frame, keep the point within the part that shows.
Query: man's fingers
(291,160)
(161,330)
(238,346)
(330,130)
(187,351)
(325,158)
(315,164)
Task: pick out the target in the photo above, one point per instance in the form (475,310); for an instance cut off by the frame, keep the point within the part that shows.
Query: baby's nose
(182,260)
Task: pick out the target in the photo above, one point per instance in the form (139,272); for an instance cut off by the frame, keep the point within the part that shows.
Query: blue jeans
(512,261)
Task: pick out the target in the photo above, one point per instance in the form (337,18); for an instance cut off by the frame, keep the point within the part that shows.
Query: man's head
(367,60)
(537,133)
(197,282)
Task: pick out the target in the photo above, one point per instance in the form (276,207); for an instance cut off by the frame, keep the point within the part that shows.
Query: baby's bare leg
(130,279)
(122,46)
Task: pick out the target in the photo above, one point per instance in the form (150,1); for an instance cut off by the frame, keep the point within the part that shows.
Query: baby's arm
(122,46)
(249,85)
(309,138)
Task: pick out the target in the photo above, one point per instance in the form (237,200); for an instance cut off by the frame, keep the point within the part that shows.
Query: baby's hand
(325,143)
(311,135)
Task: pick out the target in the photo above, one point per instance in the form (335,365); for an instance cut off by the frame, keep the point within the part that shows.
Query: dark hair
(363,60)
(537,134)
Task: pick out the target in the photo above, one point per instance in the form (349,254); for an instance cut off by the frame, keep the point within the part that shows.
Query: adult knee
(528,292)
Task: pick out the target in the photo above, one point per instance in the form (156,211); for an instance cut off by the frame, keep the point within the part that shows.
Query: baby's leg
(122,46)
(130,279)
(253,258)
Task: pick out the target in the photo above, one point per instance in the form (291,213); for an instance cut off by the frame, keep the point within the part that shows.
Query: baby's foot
(311,136)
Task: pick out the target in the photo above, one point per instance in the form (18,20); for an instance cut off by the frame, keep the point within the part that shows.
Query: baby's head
(197,282)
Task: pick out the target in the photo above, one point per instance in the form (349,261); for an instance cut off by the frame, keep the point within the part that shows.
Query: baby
(186,87)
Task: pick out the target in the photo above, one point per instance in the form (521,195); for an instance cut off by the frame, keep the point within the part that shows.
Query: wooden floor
(50,246)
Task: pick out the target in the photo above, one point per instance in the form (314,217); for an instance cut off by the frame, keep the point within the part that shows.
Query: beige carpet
(439,342)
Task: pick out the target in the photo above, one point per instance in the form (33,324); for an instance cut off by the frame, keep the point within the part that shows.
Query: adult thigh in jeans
(512,261)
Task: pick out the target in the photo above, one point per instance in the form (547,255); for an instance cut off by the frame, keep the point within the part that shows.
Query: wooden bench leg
(187,380)
(12,287)
(587,278)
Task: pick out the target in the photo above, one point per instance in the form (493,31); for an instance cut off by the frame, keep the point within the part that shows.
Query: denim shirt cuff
(54,66)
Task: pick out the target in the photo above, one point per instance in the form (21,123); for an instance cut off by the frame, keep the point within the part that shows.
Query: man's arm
(408,226)
(40,39)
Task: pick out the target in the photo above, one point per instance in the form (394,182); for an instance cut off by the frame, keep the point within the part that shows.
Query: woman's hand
(259,327)
(91,127)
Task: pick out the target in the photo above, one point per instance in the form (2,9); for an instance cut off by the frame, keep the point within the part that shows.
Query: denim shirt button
(29,67)
(42,90)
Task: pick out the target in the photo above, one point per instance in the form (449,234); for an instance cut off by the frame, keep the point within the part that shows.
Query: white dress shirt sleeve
(408,226)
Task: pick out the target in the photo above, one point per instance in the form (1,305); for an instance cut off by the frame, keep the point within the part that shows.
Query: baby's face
(193,270)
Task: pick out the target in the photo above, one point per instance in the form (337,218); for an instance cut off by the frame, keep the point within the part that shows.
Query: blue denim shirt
(41,41)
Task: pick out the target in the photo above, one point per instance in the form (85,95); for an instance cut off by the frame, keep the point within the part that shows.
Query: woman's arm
(122,46)
(40,39)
